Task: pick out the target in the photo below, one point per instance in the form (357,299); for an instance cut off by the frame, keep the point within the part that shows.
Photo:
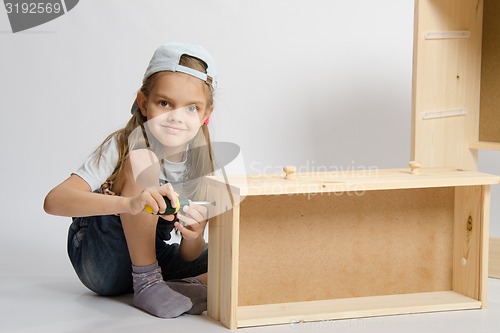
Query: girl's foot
(152,295)
(194,289)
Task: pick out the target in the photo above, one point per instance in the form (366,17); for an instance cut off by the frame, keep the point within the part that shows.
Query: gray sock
(194,289)
(152,295)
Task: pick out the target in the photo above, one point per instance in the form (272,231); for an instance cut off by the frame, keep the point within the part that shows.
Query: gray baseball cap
(168,56)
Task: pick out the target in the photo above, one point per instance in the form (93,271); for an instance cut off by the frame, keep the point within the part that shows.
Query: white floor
(32,300)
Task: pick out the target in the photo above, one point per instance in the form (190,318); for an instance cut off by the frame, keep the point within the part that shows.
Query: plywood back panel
(315,247)
(490,73)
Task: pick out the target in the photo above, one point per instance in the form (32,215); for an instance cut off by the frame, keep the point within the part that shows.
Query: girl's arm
(73,197)
(191,249)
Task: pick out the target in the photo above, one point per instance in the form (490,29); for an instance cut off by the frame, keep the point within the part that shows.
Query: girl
(116,247)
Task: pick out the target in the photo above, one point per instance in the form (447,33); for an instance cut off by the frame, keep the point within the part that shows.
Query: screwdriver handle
(181,202)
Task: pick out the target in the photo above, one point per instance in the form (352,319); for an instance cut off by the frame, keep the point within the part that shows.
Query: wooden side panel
(296,248)
(223,259)
(489,130)
(446,77)
(468,241)
(229,268)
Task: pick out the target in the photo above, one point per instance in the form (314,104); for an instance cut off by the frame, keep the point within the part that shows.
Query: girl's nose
(175,115)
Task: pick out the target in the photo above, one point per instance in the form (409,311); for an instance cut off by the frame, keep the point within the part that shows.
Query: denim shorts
(98,252)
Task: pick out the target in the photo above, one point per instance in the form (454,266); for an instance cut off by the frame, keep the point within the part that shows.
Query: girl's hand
(194,221)
(153,197)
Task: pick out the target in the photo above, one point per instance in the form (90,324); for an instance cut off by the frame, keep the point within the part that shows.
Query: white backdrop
(308,83)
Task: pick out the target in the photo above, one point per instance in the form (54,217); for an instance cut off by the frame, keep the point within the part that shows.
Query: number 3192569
(33,8)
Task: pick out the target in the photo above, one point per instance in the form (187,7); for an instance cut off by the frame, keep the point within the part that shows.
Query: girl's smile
(173,128)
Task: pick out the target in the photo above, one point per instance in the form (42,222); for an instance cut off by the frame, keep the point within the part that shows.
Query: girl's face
(175,108)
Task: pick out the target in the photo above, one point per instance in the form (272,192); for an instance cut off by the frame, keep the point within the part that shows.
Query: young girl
(115,246)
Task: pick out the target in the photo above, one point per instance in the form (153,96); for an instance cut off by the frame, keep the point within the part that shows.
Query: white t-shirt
(95,172)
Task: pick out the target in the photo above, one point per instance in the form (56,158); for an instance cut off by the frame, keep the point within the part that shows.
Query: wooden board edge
(295,313)
(494,259)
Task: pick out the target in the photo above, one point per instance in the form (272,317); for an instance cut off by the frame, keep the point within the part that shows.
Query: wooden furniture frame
(302,248)
(456,104)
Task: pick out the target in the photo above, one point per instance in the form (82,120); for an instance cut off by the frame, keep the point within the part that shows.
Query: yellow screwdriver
(180,203)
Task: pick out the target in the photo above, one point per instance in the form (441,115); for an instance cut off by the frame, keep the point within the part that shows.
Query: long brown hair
(199,163)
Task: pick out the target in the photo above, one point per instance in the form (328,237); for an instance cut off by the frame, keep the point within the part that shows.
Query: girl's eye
(164,104)
(192,108)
